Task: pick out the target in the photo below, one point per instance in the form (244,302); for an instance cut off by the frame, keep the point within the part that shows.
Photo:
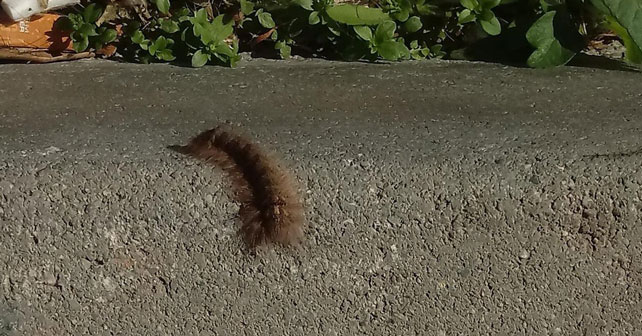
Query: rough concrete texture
(442,199)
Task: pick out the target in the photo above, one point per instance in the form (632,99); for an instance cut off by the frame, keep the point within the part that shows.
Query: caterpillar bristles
(270,209)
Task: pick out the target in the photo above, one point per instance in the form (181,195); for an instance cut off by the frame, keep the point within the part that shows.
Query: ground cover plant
(537,33)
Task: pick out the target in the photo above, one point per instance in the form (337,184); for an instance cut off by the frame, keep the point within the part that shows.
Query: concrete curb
(442,199)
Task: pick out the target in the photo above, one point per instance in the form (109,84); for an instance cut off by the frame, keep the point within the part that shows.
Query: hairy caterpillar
(270,210)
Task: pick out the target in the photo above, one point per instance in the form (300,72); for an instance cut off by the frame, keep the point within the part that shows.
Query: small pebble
(524,254)
(50,150)
(49,279)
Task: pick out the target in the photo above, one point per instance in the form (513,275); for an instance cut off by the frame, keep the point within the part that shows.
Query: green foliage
(83,30)
(285,50)
(633,50)
(265,19)
(540,33)
(413,24)
(247,7)
(186,37)
(354,15)
(162,5)
(550,51)
(555,30)
(386,45)
(169,26)
(382,42)
(625,18)
(347,31)
(481,11)
(419,52)
(161,49)
(212,36)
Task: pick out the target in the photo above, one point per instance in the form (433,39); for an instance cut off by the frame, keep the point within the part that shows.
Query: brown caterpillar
(270,210)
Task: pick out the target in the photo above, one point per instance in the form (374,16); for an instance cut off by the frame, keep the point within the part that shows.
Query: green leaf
(183,11)
(138,37)
(403,51)
(413,24)
(76,20)
(627,14)
(548,5)
(80,42)
(224,49)
(384,32)
(199,59)
(219,30)
(265,19)
(162,42)
(402,15)
(153,48)
(200,18)
(184,35)
(285,52)
(436,50)
(92,13)
(234,60)
(334,31)
(469,4)
(284,49)
(213,32)
(364,32)
(314,18)
(247,7)
(486,14)
(492,26)
(633,51)
(87,29)
(107,36)
(426,9)
(305,4)
(198,29)
(220,57)
(466,16)
(549,52)
(169,26)
(235,46)
(405,5)
(355,15)
(392,50)
(417,55)
(166,55)
(163,6)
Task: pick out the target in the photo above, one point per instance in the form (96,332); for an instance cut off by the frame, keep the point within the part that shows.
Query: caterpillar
(270,209)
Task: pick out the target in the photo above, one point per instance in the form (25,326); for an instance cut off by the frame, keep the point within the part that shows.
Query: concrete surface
(442,199)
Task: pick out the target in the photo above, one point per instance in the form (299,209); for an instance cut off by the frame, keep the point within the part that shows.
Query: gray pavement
(442,199)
